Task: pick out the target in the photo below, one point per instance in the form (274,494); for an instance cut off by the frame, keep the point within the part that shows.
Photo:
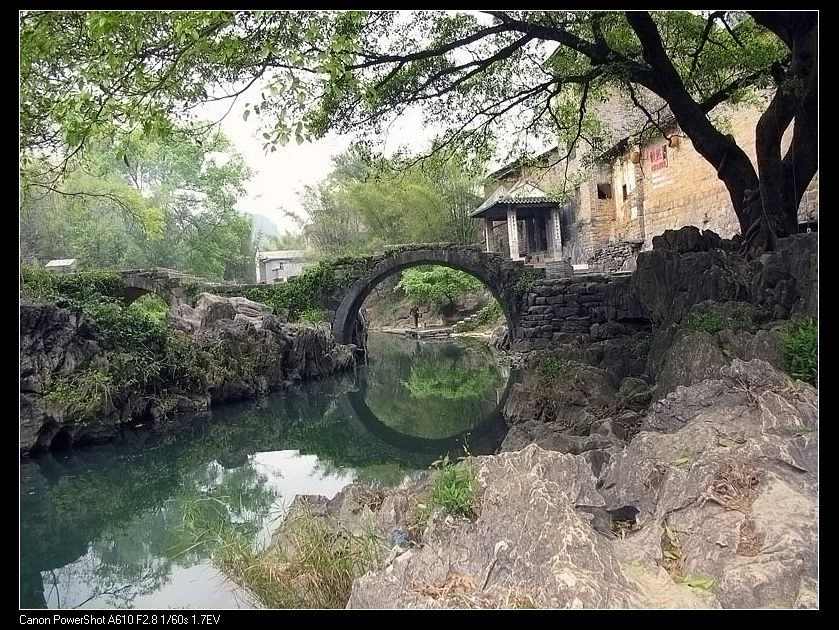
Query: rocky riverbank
(712,504)
(666,461)
(78,385)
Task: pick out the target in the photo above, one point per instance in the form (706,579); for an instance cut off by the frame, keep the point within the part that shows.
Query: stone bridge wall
(594,306)
(684,268)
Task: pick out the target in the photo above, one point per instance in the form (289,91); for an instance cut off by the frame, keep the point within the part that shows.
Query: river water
(114,526)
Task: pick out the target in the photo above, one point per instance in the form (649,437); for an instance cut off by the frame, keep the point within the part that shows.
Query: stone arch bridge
(356,277)
(538,310)
(506,279)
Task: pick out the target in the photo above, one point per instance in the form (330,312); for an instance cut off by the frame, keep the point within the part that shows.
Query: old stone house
(602,210)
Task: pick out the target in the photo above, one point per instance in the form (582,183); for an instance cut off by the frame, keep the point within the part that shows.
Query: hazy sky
(280,176)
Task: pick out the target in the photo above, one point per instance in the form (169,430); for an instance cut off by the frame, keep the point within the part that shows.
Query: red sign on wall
(658,157)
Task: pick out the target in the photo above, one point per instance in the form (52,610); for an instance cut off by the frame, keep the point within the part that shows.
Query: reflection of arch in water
(480,440)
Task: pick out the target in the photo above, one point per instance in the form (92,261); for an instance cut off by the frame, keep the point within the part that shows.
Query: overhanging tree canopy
(90,73)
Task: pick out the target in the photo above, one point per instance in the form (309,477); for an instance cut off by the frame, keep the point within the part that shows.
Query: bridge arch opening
(152,304)
(344,325)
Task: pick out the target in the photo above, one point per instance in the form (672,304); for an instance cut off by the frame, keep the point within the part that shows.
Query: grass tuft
(800,349)
(308,565)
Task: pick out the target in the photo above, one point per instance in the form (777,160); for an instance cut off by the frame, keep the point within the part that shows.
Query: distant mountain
(263,225)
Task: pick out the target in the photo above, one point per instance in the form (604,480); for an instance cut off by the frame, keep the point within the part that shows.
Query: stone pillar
(557,234)
(513,234)
(488,234)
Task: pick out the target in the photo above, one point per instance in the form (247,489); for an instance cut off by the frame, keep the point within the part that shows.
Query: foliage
(136,329)
(143,202)
(367,203)
(526,282)
(718,318)
(38,283)
(433,379)
(312,316)
(133,330)
(429,390)
(83,392)
(641,344)
(553,368)
(477,77)
(300,294)
(310,566)
(437,285)
(489,314)
(800,349)
(455,488)
(152,306)
(284,241)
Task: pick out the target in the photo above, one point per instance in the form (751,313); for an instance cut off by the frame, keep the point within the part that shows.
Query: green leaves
(437,285)
(170,205)
(455,489)
(800,349)
(702,583)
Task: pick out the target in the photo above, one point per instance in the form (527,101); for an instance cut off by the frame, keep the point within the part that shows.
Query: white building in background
(280,265)
(62,265)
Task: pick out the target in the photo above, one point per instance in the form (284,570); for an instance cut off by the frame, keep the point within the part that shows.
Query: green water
(115,526)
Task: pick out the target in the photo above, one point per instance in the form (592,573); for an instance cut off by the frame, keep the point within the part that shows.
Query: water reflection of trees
(110,524)
(430,390)
(130,553)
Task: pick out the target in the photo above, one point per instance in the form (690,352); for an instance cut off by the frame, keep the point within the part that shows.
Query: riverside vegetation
(129,364)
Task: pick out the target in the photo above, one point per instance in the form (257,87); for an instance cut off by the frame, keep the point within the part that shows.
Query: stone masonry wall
(561,310)
(687,190)
(618,256)
(684,268)
(667,187)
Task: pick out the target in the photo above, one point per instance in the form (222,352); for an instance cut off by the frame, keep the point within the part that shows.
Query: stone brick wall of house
(664,187)
(681,188)
(603,201)
(575,230)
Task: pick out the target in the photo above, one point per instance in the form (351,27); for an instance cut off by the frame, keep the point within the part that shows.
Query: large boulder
(691,358)
(534,545)
(687,266)
(567,401)
(210,309)
(730,467)
(55,340)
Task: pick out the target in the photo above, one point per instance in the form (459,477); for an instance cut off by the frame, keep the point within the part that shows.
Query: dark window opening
(604,191)
(625,192)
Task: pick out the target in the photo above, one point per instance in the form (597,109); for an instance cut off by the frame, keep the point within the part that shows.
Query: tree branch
(705,33)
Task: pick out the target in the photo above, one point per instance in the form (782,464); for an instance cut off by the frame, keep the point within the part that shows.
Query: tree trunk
(780,182)
(733,166)
(784,181)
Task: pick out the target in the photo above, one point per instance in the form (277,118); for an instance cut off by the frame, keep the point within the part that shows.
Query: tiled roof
(539,199)
(519,201)
(283,254)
